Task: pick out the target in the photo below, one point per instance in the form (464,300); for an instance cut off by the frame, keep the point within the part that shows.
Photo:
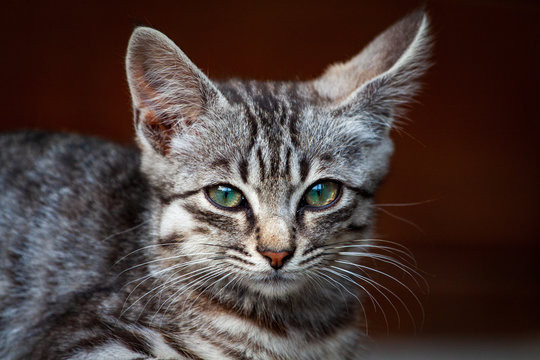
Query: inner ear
(158,131)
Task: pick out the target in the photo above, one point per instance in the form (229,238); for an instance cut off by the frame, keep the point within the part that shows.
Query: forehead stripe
(288,163)
(304,168)
(243,169)
(262,167)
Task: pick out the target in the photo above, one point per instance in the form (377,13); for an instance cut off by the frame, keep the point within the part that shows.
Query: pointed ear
(383,75)
(170,94)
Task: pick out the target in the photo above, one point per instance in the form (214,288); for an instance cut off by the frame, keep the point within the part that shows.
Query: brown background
(470,148)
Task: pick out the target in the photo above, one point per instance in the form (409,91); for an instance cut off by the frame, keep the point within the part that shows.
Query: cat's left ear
(170,94)
(373,84)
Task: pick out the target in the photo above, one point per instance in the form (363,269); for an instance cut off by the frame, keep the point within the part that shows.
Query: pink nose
(276,259)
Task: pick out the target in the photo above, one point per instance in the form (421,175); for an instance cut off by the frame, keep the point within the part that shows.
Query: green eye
(225,196)
(322,193)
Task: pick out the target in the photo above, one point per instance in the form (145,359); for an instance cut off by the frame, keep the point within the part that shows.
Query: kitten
(235,231)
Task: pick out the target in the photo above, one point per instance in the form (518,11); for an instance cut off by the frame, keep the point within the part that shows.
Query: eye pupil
(225,196)
(321,194)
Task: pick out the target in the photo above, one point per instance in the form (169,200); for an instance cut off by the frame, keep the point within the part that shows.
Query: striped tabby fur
(110,252)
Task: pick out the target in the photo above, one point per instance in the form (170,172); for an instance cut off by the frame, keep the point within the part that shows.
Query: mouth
(277,277)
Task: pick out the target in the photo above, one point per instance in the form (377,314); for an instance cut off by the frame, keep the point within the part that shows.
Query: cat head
(266,184)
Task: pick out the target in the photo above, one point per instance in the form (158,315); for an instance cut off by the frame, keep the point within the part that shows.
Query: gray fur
(113,252)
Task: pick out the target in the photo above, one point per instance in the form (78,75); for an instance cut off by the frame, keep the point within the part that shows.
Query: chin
(276,285)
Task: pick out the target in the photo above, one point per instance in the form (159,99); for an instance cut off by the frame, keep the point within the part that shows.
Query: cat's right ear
(170,94)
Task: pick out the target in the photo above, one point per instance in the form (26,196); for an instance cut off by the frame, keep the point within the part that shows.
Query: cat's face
(267,186)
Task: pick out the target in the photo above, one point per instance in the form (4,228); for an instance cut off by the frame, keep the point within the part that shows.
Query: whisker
(376,287)
(183,277)
(210,285)
(173,267)
(143,279)
(406,256)
(311,277)
(372,241)
(400,283)
(143,248)
(125,231)
(205,272)
(415,203)
(373,300)
(389,260)
(163,259)
(177,294)
(402,219)
(223,288)
(394,244)
(197,283)
(331,282)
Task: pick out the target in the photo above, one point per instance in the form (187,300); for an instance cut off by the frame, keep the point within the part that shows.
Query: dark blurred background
(467,155)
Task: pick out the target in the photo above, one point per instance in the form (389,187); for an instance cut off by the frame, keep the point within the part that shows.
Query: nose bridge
(274,234)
